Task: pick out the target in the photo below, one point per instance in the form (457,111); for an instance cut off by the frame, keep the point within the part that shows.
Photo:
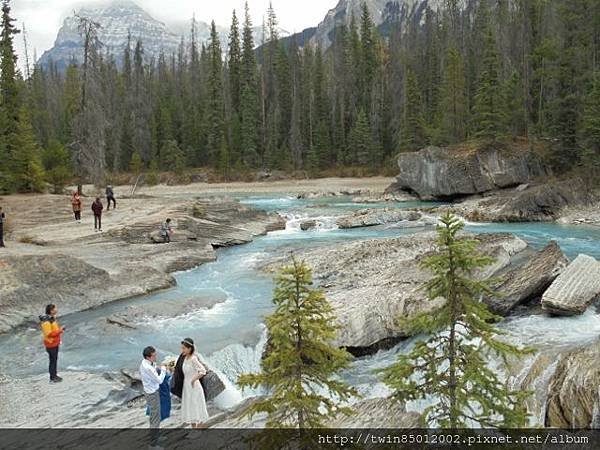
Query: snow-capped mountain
(116,19)
(119,18)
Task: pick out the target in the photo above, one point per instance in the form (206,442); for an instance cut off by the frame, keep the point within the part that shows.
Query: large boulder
(374,217)
(575,289)
(527,203)
(442,173)
(573,391)
(372,284)
(527,281)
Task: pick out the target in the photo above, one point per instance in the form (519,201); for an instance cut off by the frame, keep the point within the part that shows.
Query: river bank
(222,304)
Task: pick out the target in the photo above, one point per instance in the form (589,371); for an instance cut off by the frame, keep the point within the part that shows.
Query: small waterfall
(323,223)
(233,361)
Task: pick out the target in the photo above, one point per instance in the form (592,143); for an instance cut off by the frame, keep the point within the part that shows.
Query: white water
(231,336)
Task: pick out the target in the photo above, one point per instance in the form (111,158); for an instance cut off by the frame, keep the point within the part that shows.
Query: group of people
(182,381)
(97,207)
(159,382)
(166,228)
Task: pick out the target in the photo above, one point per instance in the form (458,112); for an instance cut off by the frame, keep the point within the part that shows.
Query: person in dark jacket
(2,219)
(110,197)
(97,208)
(52,333)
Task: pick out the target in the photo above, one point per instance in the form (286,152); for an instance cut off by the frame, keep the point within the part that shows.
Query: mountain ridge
(121,17)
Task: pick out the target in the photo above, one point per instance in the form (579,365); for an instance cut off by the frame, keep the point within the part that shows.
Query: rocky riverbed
(507,182)
(54,260)
(374,283)
(371,283)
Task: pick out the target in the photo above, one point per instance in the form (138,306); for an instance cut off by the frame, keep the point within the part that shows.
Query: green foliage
(590,153)
(224,165)
(360,140)
(301,364)
(413,123)
(214,110)
(9,80)
(57,164)
(172,157)
(501,69)
(136,165)
(489,111)
(450,367)
(453,104)
(25,157)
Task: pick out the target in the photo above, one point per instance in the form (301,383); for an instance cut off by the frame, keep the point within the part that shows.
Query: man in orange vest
(52,333)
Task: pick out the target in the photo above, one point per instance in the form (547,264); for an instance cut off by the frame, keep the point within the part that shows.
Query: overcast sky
(43,18)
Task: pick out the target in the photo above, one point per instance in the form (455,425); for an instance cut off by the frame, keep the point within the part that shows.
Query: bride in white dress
(193,403)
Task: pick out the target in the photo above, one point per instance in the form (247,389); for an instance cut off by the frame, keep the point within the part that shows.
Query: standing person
(166,231)
(97,207)
(76,203)
(110,197)
(52,333)
(186,384)
(151,381)
(2,220)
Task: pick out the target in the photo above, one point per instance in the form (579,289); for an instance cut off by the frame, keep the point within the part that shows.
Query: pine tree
(172,156)
(224,164)
(489,111)
(249,96)
(450,367)
(136,164)
(27,170)
(412,130)
(368,56)
(234,64)
(301,364)
(9,82)
(360,140)
(57,165)
(453,105)
(214,110)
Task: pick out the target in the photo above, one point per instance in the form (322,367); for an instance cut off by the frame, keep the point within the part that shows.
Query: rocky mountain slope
(116,20)
(384,13)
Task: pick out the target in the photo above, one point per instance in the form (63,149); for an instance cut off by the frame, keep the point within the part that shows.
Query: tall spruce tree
(249,96)
(412,129)
(360,140)
(453,104)
(215,98)
(450,368)
(299,371)
(9,80)
(489,111)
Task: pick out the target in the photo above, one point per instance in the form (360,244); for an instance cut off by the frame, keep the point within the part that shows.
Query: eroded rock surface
(442,173)
(573,393)
(374,217)
(372,284)
(529,281)
(575,288)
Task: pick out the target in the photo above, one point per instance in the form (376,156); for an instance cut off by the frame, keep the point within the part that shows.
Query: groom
(151,380)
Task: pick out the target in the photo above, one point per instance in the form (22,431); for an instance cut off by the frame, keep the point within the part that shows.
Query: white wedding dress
(193,403)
